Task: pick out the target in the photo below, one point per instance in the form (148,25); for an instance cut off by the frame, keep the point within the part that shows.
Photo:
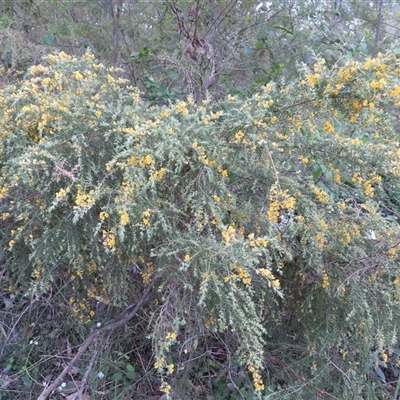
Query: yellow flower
(329,127)
(325,280)
(3,192)
(78,76)
(158,175)
(229,235)
(375,85)
(303,159)
(147,159)
(165,388)
(181,108)
(84,199)
(239,135)
(312,79)
(276,283)
(109,239)
(257,380)
(146,221)
(171,336)
(124,218)
(171,368)
(103,215)
(391,252)
(320,194)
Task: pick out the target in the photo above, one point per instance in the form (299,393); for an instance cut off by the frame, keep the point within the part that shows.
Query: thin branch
(88,370)
(196,19)
(378,29)
(229,6)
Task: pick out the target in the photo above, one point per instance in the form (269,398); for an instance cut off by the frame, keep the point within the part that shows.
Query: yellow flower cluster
(325,280)
(143,161)
(242,274)
(395,92)
(336,174)
(81,311)
(312,80)
(109,239)
(103,215)
(147,273)
(229,235)
(3,192)
(257,380)
(368,183)
(171,336)
(240,138)
(329,127)
(212,116)
(279,200)
(303,159)
(124,218)
(146,215)
(158,175)
(222,171)
(259,242)
(165,388)
(378,84)
(181,108)
(84,200)
(320,194)
(160,363)
(266,273)
(202,156)
(62,193)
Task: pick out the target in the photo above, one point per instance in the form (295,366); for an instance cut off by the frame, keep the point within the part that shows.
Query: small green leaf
(49,39)
(172,75)
(117,376)
(380,373)
(317,173)
(131,375)
(158,68)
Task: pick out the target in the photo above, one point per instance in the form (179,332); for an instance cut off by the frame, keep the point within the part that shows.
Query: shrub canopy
(267,225)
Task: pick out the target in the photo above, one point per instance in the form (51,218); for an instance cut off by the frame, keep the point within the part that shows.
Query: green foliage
(267,226)
(219,47)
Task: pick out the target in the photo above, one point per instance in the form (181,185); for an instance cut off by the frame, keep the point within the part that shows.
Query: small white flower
(100,375)
(98,324)
(370,235)
(63,384)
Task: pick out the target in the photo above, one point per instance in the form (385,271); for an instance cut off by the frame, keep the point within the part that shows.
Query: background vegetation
(199,200)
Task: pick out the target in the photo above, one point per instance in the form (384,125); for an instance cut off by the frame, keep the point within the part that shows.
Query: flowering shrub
(268,225)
